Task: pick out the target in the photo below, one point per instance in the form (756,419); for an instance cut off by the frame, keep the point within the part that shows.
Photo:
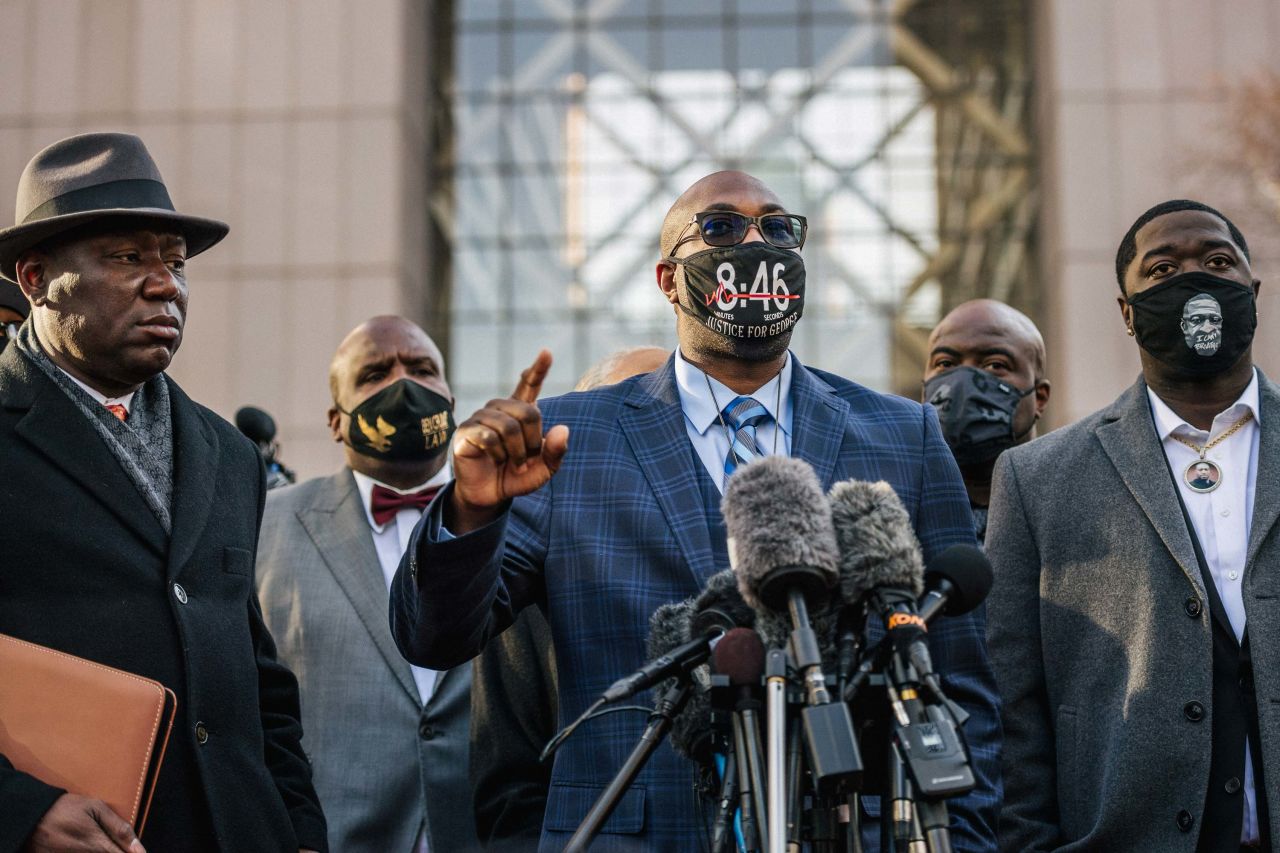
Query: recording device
(260,428)
(782,546)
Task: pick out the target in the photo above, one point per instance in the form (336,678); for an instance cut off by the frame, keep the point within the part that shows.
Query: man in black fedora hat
(130,531)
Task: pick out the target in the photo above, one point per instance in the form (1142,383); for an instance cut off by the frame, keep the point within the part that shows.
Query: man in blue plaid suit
(628,520)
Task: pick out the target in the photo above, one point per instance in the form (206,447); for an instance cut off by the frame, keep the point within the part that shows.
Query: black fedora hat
(90,177)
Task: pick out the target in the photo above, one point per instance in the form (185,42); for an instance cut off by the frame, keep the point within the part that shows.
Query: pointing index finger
(531,378)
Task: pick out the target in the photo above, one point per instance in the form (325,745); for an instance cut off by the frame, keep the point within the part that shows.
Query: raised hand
(500,453)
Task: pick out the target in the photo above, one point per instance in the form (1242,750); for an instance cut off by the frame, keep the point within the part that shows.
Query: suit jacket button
(426,732)
(1192,606)
(202,734)
(179,593)
(1233,785)
(1193,711)
(1185,820)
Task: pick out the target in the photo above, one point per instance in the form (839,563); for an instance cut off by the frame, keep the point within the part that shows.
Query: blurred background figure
(985,376)
(260,428)
(387,741)
(513,699)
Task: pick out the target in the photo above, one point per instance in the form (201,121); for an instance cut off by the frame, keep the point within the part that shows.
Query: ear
(335,423)
(666,275)
(1124,312)
(1042,397)
(31,273)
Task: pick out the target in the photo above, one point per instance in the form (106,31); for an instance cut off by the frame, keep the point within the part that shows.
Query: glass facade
(577,123)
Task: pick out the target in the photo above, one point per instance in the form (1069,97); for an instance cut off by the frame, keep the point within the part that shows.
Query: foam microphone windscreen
(257,425)
(691,729)
(780,533)
(968,571)
(740,655)
(878,547)
(720,606)
(668,627)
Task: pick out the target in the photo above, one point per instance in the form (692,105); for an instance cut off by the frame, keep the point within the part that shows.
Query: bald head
(985,324)
(385,341)
(621,365)
(705,193)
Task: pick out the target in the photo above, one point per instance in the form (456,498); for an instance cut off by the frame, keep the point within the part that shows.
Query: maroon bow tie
(385,503)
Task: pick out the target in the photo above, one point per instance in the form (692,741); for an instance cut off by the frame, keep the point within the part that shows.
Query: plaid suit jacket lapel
(819,420)
(653,424)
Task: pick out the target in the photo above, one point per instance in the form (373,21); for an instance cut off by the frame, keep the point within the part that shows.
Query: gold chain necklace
(1203,475)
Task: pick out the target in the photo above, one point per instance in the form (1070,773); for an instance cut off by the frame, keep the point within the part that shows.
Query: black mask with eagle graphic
(403,421)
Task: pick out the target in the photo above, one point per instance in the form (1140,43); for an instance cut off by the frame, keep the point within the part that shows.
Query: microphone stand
(668,707)
(776,747)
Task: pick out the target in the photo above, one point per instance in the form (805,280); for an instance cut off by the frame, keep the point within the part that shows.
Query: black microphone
(260,428)
(681,635)
(956,581)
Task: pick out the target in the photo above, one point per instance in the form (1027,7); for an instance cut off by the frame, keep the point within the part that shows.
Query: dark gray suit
(1103,641)
(382,763)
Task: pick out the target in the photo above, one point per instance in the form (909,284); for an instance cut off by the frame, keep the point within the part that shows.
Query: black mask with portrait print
(1176,322)
(403,421)
(975,410)
(748,293)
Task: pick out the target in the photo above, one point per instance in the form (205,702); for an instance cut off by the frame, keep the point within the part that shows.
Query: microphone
(682,635)
(880,563)
(780,537)
(696,734)
(740,656)
(260,428)
(956,581)
(782,546)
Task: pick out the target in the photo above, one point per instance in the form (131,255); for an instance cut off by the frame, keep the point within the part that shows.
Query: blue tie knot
(744,411)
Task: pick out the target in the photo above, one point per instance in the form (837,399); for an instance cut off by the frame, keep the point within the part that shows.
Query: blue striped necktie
(742,416)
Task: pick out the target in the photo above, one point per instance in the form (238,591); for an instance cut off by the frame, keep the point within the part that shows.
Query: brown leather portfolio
(87,728)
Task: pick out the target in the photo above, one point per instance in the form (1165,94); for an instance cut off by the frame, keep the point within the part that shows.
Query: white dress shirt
(703,398)
(390,541)
(126,400)
(1221,517)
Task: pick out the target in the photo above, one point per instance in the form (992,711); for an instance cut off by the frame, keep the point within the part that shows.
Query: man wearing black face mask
(602,532)
(388,742)
(985,376)
(1133,621)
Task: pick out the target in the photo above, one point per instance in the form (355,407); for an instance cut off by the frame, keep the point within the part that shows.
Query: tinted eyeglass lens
(723,229)
(782,231)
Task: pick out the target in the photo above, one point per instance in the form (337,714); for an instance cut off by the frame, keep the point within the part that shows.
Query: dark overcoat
(86,568)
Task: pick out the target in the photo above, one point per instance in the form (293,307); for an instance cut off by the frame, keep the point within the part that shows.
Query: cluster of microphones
(766,681)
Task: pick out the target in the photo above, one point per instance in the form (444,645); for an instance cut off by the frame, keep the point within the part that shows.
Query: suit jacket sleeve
(451,595)
(513,715)
(1030,815)
(958,646)
(23,801)
(282,728)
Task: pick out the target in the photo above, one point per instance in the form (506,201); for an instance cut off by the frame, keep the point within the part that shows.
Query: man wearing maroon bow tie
(388,742)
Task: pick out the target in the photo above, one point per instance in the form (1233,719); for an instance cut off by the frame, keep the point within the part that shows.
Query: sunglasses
(728,228)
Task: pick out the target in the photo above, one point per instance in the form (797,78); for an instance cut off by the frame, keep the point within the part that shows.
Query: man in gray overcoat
(1134,627)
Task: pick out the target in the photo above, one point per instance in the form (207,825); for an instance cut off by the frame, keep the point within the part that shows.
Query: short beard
(696,338)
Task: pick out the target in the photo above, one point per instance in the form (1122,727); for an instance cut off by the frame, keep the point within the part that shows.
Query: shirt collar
(1167,421)
(702,406)
(125,400)
(365,484)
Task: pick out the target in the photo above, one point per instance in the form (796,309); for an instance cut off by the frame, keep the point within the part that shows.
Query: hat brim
(200,233)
